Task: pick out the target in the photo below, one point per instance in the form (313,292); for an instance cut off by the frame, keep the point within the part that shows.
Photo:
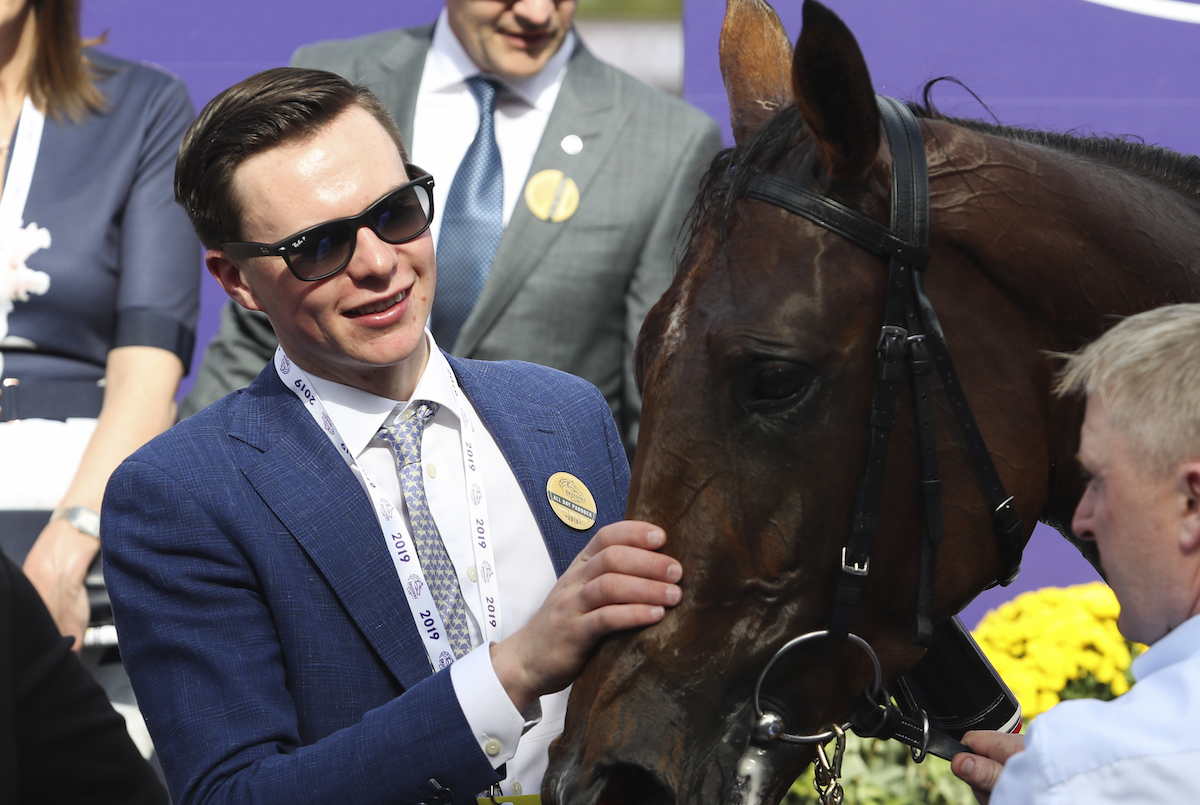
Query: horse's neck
(1075,240)
(1070,242)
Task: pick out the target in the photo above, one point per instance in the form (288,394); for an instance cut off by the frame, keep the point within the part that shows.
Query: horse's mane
(731,170)
(1181,171)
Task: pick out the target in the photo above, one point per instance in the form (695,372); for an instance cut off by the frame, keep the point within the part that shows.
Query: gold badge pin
(552,195)
(571,501)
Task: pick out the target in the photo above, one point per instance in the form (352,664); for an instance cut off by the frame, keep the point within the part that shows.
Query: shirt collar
(447,66)
(1177,645)
(358,415)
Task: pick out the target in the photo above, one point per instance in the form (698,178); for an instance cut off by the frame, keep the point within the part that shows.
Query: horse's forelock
(732,169)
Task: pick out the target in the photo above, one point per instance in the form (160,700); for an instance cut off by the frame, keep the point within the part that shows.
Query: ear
(231,277)
(755,54)
(1188,484)
(834,94)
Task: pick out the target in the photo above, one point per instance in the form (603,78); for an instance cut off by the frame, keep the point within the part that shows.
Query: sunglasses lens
(403,215)
(321,250)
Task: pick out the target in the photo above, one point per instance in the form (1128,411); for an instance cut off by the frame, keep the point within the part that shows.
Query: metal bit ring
(769,726)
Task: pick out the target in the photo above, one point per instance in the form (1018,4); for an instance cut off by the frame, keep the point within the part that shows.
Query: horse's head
(757,368)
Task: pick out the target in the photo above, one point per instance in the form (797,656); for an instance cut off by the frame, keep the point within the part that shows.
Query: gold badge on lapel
(571,501)
(552,195)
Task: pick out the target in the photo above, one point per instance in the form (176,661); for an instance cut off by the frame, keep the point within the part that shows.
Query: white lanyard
(396,532)
(16,191)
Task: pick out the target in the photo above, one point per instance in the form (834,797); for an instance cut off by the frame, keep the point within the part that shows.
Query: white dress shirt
(447,116)
(524,570)
(1142,747)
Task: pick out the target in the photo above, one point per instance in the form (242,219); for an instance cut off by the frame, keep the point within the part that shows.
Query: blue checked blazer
(261,618)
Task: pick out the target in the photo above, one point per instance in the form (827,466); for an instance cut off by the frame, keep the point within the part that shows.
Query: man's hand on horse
(982,769)
(619,581)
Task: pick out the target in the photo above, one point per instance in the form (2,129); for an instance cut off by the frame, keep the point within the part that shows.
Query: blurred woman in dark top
(99,292)
(101,283)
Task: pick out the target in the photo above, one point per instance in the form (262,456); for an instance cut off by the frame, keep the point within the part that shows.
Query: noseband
(911,337)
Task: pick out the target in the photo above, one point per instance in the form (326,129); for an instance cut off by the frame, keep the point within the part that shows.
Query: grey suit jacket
(571,295)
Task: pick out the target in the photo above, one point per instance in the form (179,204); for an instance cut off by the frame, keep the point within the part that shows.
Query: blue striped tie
(471,224)
(405,438)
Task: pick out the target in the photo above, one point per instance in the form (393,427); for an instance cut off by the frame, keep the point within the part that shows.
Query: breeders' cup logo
(571,501)
(285,365)
(387,509)
(1177,10)
(414,586)
(485,570)
(445,659)
(327,422)
(476,494)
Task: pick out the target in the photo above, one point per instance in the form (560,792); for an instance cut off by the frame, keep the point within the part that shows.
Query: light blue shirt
(1143,747)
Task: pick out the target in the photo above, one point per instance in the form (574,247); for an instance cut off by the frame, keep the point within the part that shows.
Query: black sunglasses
(325,249)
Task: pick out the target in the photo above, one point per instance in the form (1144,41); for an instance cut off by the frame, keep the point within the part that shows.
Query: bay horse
(757,368)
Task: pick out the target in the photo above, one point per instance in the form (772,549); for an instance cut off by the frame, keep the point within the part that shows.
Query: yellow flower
(1058,642)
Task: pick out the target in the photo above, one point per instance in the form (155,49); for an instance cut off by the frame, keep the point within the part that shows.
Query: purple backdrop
(1060,64)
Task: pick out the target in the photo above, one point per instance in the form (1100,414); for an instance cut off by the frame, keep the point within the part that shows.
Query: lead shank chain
(827,779)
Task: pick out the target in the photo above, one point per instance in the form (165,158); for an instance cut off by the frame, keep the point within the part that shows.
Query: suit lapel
(534,439)
(308,486)
(403,65)
(586,107)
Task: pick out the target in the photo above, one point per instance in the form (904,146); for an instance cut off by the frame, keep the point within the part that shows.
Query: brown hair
(266,110)
(1146,372)
(62,80)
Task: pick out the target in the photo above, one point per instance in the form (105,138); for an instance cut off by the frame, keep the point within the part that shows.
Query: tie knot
(485,91)
(405,433)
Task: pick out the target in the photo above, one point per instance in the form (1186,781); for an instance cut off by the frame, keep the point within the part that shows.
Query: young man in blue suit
(619,161)
(368,576)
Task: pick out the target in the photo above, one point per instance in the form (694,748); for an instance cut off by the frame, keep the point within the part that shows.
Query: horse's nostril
(633,785)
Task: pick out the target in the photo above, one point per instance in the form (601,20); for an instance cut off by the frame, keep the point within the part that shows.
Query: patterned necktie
(405,438)
(472,223)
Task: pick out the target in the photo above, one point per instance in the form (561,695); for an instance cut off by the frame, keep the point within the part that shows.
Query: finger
(617,617)
(618,588)
(998,746)
(79,622)
(634,533)
(979,772)
(630,561)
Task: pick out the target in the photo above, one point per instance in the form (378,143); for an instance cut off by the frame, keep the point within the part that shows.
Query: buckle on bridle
(854,568)
(890,335)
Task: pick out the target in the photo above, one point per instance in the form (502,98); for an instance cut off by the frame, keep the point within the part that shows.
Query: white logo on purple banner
(1177,10)
(414,586)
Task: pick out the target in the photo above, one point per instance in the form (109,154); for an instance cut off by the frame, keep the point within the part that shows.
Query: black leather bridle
(911,337)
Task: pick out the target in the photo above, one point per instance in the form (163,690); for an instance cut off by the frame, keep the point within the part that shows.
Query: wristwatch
(81,518)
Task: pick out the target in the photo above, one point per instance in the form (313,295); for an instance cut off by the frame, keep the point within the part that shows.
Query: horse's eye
(776,382)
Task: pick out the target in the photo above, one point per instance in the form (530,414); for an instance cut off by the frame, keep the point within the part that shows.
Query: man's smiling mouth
(378,307)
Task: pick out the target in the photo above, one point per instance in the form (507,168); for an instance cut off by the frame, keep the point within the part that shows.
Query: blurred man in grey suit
(599,171)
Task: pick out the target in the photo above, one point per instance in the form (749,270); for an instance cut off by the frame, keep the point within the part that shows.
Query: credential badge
(571,501)
(552,195)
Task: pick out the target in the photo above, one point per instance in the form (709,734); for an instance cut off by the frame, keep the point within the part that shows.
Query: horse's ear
(834,94)
(755,54)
